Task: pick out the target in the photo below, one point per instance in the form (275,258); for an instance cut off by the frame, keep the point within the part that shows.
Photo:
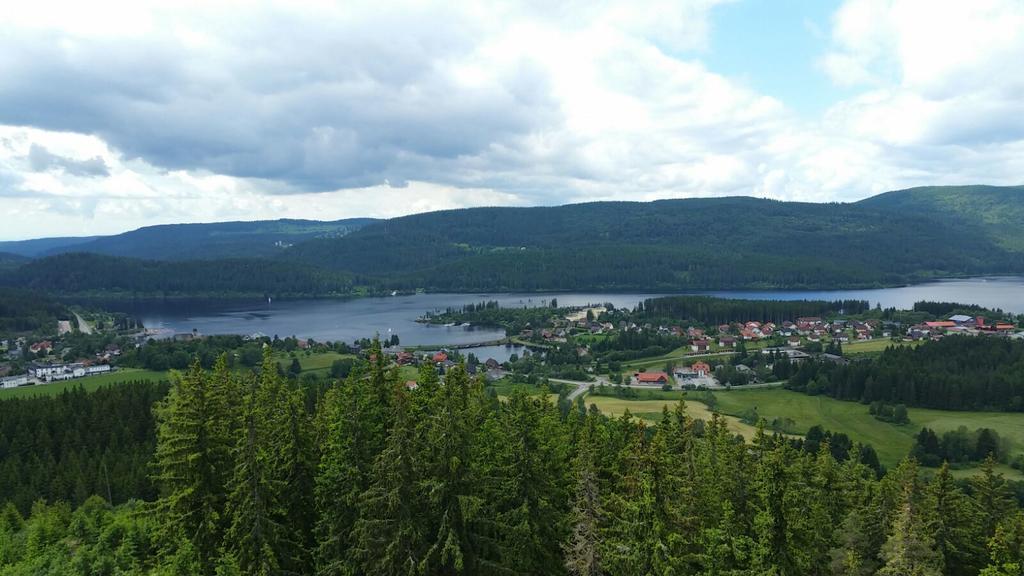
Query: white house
(14,381)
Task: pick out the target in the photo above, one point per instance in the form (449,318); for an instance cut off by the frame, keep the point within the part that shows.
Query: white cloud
(142,113)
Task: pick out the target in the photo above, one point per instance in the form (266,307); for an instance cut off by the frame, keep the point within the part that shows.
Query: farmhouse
(44,346)
(702,369)
(727,342)
(699,345)
(653,378)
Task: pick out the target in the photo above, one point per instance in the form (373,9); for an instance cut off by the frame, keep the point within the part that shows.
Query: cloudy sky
(115,115)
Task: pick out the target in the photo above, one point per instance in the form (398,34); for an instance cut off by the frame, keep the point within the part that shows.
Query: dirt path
(83,326)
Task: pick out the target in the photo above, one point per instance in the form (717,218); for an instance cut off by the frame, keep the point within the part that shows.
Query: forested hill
(669,245)
(9,261)
(94,274)
(998,209)
(41,246)
(197,241)
(709,243)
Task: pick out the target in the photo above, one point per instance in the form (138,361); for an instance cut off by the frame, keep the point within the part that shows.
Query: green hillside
(196,241)
(670,245)
(999,210)
(41,246)
(709,243)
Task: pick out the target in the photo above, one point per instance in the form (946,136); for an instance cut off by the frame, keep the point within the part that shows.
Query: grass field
(313,362)
(89,383)
(892,442)
(650,411)
(873,346)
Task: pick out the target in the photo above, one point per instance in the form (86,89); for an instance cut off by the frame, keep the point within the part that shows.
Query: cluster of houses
(958,324)
(441,360)
(41,373)
(699,374)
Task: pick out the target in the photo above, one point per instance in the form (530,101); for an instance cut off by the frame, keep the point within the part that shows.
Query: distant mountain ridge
(668,245)
(689,244)
(42,246)
(257,239)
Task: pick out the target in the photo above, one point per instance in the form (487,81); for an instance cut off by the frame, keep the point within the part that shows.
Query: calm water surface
(349,320)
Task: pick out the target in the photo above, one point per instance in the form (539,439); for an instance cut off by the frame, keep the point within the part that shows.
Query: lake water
(349,320)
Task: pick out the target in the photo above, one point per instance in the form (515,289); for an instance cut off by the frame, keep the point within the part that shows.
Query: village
(741,352)
(48,362)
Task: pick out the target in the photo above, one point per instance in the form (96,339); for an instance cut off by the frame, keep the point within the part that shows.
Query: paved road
(83,326)
(581,387)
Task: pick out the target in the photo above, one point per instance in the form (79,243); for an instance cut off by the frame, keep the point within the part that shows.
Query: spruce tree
(954,523)
(582,551)
(1006,548)
(253,540)
(389,535)
(193,462)
(453,505)
(354,420)
(527,478)
(992,496)
(910,550)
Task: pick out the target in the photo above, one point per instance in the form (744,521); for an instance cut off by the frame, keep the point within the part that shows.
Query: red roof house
(701,368)
(651,378)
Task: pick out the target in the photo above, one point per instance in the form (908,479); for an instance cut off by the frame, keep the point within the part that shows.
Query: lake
(349,320)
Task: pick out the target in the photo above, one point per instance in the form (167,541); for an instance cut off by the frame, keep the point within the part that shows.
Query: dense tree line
(710,311)
(24,311)
(93,274)
(955,373)
(446,479)
(513,320)
(958,446)
(75,444)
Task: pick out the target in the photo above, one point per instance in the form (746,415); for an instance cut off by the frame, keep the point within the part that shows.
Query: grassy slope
(891,442)
(88,383)
(320,362)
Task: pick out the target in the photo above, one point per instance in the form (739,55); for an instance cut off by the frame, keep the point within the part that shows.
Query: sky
(121,114)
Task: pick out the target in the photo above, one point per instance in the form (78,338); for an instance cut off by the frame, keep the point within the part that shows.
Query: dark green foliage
(444,479)
(666,245)
(24,311)
(10,261)
(197,429)
(955,373)
(108,276)
(75,444)
(709,311)
(997,211)
(957,446)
